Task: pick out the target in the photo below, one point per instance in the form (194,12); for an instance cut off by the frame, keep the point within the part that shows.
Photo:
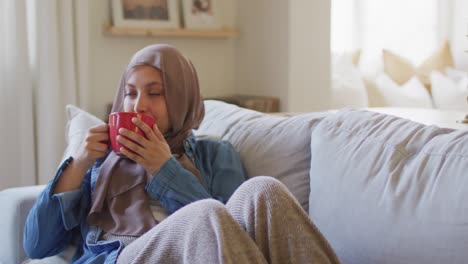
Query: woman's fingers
(95,144)
(99,128)
(150,150)
(131,145)
(97,140)
(131,155)
(100,147)
(158,133)
(133,136)
(147,131)
(98,137)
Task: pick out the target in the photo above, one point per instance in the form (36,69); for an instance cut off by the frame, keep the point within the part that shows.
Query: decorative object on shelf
(201,14)
(266,104)
(146,14)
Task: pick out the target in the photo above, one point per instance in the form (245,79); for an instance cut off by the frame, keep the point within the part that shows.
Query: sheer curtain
(412,29)
(54,67)
(17,156)
(38,76)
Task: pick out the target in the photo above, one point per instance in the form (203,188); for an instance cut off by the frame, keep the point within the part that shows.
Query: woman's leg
(201,232)
(273,218)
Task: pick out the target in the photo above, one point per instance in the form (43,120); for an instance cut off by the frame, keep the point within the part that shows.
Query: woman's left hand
(151,151)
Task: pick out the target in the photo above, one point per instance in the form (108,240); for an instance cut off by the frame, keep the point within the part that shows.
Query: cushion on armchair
(389,190)
(14,205)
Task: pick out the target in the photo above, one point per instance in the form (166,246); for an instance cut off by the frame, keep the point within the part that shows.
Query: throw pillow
(410,94)
(398,68)
(441,59)
(450,92)
(348,89)
(79,121)
(455,74)
(374,96)
(269,145)
(401,70)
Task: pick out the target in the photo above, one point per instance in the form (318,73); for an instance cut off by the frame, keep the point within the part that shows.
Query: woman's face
(144,93)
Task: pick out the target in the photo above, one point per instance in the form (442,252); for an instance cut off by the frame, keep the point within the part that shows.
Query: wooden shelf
(223,33)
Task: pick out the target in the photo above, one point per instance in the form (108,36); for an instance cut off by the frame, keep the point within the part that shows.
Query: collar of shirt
(189,145)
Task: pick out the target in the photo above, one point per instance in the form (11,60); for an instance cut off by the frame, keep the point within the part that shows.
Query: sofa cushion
(388,190)
(269,145)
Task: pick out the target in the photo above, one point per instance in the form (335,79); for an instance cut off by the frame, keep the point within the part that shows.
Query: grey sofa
(382,189)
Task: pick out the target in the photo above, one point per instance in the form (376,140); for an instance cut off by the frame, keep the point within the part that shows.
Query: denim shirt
(57,220)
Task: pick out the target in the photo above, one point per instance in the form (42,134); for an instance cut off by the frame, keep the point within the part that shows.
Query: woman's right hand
(94,146)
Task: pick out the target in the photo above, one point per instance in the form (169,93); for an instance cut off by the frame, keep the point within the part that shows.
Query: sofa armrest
(15,204)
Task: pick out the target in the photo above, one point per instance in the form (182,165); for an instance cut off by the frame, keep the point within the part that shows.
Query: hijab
(120,203)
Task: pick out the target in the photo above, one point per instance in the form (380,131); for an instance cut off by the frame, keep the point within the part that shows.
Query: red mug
(124,120)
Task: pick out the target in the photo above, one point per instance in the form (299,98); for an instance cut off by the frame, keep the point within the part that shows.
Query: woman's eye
(130,94)
(154,94)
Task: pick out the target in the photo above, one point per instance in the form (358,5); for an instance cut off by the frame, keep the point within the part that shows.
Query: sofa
(381,188)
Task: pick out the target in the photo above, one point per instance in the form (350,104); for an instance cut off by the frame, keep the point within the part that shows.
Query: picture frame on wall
(201,14)
(148,14)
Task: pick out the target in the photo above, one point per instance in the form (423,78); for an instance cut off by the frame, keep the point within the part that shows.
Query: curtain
(54,67)
(412,29)
(38,66)
(17,154)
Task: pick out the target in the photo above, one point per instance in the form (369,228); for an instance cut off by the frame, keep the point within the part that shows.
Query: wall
(284,51)
(263,48)
(309,52)
(108,55)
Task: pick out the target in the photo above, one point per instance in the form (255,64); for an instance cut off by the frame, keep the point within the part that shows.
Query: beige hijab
(120,203)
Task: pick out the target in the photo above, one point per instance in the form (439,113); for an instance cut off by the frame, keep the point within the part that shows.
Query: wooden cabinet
(267,104)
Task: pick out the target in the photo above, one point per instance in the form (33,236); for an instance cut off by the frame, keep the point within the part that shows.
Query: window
(412,29)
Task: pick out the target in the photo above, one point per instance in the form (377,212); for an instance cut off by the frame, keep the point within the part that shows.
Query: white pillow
(455,74)
(410,94)
(348,89)
(450,92)
(79,121)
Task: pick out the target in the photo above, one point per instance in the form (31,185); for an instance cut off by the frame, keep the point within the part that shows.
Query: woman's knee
(264,184)
(205,208)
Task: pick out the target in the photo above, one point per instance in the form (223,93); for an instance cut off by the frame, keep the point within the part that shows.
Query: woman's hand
(150,152)
(95,146)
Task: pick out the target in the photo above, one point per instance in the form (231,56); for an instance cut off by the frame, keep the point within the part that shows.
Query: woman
(171,198)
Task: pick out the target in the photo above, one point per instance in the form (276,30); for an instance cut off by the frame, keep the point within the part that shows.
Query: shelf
(223,33)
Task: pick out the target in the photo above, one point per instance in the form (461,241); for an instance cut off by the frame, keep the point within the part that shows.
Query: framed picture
(145,13)
(201,14)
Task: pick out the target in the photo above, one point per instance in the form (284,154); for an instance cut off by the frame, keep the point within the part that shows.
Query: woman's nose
(140,105)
